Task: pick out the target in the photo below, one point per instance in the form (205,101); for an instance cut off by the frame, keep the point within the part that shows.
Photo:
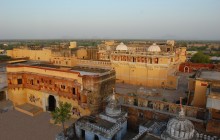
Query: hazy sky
(123,19)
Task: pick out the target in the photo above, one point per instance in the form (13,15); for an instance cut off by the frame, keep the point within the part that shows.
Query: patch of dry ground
(15,125)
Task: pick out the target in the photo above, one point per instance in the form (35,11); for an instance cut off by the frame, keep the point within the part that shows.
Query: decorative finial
(181,113)
(113,96)
(181,103)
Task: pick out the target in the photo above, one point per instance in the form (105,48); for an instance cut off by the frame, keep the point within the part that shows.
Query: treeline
(4,57)
(203,48)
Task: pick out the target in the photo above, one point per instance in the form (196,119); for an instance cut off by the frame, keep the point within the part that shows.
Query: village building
(3,84)
(204,92)
(108,125)
(177,128)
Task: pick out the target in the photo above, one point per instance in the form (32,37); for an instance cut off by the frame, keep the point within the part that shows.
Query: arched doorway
(114,137)
(186,69)
(2,95)
(83,133)
(51,103)
(96,137)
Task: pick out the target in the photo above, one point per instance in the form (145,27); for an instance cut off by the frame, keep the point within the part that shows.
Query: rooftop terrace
(209,75)
(83,70)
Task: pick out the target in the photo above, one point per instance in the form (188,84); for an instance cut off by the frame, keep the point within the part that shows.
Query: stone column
(78,131)
(6,94)
(46,100)
(57,101)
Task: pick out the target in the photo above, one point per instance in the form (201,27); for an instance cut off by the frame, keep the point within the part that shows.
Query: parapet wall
(141,109)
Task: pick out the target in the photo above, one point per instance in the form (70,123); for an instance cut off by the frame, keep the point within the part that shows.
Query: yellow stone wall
(17,95)
(81,53)
(146,76)
(109,42)
(182,56)
(37,96)
(42,55)
(22,95)
(64,61)
(164,60)
(200,94)
(74,103)
(48,72)
(73,44)
(172,82)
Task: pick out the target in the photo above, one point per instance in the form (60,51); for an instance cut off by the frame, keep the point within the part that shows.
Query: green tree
(4,57)
(200,58)
(62,114)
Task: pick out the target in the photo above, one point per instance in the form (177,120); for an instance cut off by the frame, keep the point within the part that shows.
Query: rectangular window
(32,82)
(171,59)
(141,115)
(19,81)
(74,91)
(63,86)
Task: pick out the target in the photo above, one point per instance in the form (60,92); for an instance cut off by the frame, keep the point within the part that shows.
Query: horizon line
(141,39)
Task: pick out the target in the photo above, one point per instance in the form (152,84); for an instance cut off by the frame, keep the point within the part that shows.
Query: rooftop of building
(123,113)
(150,93)
(208,75)
(97,121)
(97,125)
(83,70)
(216,90)
(89,70)
(145,53)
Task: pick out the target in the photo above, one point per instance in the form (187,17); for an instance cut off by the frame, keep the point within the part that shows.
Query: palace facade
(44,85)
(138,63)
(152,68)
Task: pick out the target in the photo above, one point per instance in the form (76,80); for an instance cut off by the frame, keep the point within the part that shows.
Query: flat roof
(89,70)
(97,122)
(210,75)
(216,89)
(83,70)
(151,93)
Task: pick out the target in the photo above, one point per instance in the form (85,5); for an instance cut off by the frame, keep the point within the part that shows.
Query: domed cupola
(121,47)
(179,128)
(113,109)
(154,48)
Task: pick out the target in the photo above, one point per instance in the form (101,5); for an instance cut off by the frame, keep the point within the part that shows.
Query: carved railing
(161,106)
(107,132)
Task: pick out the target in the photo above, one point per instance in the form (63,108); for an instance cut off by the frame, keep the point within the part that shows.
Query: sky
(110,19)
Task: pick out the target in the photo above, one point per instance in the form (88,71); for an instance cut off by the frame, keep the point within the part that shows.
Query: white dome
(113,108)
(179,128)
(121,47)
(154,48)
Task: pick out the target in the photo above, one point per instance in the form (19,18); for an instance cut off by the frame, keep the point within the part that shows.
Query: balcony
(15,85)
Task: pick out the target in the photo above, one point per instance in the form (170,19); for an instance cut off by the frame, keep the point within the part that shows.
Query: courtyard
(15,125)
(170,95)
